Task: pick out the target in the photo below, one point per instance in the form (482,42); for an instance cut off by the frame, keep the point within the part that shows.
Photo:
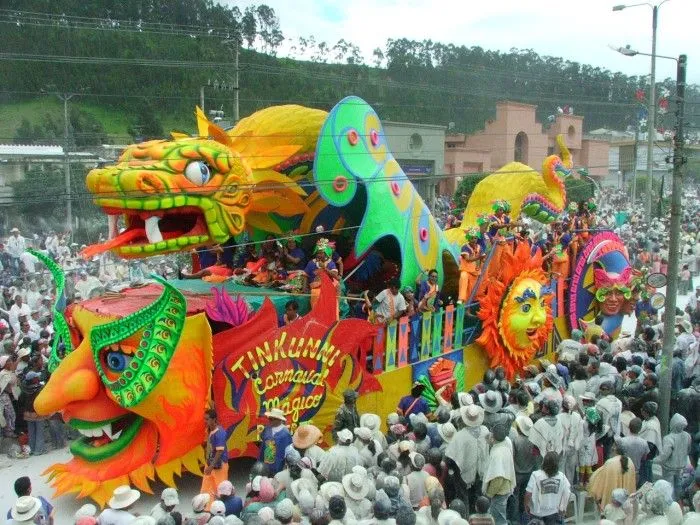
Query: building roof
(30,150)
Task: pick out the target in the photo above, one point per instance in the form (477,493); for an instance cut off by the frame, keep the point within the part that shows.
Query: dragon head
(188,192)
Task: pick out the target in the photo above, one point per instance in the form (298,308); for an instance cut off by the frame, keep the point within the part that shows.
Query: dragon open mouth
(151,231)
(103,439)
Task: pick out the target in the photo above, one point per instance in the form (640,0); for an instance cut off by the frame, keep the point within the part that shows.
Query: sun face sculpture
(516,311)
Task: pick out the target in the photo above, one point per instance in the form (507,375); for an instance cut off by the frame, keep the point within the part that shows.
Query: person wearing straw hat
(15,247)
(168,501)
(373,422)
(357,487)
(572,423)
(466,455)
(525,461)
(340,458)
(120,504)
(547,433)
(368,447)
(275,439)
(499,479)
(492,403)
(305,439)
(27,509)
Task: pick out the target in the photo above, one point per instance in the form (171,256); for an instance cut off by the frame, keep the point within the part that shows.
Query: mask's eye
(198,173)
(116,360)
(525,308)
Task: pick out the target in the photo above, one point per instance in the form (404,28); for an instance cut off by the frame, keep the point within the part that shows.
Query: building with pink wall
(516,135)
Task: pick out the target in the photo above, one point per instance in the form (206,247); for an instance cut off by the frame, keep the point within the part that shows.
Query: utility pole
(634,168)
(66,160)
(673,250)
(651,119)
(236,109)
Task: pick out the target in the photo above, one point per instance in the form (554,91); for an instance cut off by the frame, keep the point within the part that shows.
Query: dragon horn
(565,153)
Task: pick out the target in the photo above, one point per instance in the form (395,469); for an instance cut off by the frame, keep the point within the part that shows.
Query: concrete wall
(420,150)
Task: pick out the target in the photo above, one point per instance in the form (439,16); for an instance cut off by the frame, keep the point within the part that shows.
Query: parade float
(133,373)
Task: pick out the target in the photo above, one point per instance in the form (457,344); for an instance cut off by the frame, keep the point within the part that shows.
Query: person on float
(414,403)
(470,260)
(429,299)
(275,439)
(321,262)
(389,304)
(292,255)
(217,272)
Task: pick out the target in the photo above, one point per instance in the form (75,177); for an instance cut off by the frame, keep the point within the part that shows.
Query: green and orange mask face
(135,388)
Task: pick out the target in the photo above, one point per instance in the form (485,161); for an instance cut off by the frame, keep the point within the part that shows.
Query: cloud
(571,29)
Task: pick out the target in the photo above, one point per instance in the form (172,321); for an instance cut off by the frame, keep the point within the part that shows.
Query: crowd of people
(504,452)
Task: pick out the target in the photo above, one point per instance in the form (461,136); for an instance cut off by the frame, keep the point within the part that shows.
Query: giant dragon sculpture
(133,377)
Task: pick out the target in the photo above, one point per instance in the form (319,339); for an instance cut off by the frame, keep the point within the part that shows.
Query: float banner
(302,369)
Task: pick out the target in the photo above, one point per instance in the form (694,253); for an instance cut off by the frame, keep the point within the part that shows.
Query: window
(521,143)
(571,132)
(415,142)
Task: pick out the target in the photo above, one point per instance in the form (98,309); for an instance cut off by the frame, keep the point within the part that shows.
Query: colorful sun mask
(523,313)
(516,311)
(135,388)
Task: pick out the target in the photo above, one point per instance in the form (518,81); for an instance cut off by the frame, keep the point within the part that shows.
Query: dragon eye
(116,360)
(198,173)
(525,308)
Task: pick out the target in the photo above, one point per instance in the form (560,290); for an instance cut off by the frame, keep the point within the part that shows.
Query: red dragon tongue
(120,240)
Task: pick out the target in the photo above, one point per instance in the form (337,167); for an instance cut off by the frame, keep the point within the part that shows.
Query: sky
(578,30)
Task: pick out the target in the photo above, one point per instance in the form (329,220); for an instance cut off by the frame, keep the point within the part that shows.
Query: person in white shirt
(547,492)
(29,261)
(86,284)
(16,244)
(17,309)
(390,304)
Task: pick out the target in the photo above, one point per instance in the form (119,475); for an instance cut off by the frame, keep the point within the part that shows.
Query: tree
(579,190)
(249,26)
(146,126)
(378,55)
(466,187)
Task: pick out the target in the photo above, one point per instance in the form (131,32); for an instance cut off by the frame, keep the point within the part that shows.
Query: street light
(651,124)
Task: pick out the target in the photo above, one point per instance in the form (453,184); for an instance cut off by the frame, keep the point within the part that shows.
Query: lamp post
(669,338)
(651,118)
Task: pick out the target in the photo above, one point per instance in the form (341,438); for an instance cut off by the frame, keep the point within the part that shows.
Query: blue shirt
(297,253)
(233,504)
(272,449)
(408,407)
(217,441)
(312,267)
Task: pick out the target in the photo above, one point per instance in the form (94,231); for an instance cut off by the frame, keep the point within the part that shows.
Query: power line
(205,191)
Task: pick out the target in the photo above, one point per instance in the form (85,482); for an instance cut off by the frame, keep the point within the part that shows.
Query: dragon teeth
(113,226)
(152,230)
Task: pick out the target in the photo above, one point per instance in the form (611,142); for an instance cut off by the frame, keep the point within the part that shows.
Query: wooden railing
(431,334)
